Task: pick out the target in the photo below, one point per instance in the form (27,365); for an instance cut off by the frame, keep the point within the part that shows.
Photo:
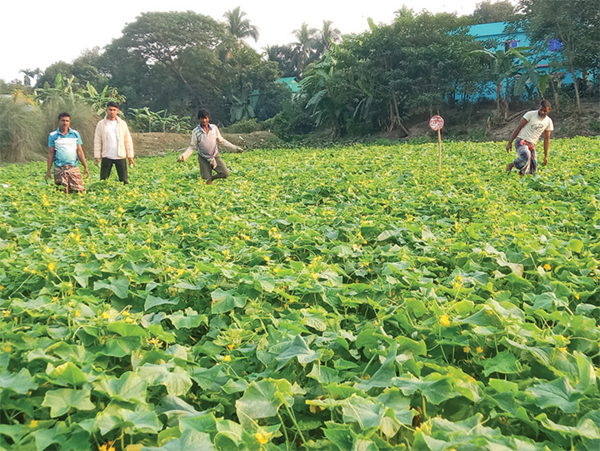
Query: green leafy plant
(340,298)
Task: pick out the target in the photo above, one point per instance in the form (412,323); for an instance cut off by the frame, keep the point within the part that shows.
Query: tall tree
(283,55)
(238,26)
(404,11)
(489,11)
(327,36)
(164,37)
(305,46)
(575,23)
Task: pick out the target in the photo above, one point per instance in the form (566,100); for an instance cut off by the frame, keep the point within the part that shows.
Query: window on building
(554,45)
(512,44)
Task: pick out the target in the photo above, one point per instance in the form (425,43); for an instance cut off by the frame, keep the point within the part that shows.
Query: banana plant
(538,80)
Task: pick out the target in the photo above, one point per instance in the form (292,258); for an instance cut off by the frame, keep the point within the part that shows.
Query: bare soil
(482,125)
(152,144)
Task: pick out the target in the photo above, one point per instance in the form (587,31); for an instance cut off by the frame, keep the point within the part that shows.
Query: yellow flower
(7,348)
(547,267)
(267,258)
(77,313)
(479,350)
(444,320)
(230,346)
(262,437)
(227,358)
(5,313)
(106,315)
(49,250)
(154,342)
(33,423)
(51,266)
(467,349)
(576,295)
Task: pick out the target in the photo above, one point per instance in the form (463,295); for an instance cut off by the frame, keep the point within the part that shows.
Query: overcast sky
(37,33)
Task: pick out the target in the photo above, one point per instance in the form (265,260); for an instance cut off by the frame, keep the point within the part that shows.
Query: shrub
(21,136)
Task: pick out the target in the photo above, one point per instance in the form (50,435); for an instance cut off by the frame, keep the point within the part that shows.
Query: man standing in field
(527,133)
(64,153)
(204,139)
(113,144)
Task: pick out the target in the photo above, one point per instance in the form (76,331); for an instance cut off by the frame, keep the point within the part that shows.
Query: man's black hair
(202,113)
(545,104)
(61,115)
(115,104)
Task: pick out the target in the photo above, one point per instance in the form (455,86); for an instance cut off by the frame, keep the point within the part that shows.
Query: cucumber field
(349,298)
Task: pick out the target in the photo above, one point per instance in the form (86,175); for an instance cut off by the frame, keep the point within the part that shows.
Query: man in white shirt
(528,132)
(204,139)
(113,144)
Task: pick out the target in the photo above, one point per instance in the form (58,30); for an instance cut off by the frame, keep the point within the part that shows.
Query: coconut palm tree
(327,36)
(305,46)
(239,27)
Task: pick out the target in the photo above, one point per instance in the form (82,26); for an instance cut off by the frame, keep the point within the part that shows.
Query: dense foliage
(338,299)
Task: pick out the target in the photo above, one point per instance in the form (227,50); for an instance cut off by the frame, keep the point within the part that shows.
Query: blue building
(495,37)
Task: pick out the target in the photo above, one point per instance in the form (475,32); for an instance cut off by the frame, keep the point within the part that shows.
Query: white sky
(37,33)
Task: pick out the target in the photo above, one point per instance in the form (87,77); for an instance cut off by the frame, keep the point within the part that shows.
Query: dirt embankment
(481,126)
(484,124)
(152,144)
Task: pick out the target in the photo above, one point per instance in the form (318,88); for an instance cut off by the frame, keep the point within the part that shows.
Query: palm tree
(305,47)
(283,55)
(404,12)
(239,27)
(328,36)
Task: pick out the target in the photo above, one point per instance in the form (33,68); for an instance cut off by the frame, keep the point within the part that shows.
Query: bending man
(204,139)
(527,134)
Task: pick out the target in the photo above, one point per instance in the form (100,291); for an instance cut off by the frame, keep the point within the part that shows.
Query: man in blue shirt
(64,153)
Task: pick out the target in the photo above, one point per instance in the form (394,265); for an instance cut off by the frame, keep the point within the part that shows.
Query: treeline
(170,63)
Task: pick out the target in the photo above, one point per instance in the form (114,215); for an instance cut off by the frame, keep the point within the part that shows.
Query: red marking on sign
(436,123)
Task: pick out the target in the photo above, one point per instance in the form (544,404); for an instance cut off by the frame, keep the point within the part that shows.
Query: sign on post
(437,123)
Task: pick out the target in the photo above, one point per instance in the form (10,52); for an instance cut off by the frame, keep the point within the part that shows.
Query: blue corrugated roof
(488,30)
(291,83)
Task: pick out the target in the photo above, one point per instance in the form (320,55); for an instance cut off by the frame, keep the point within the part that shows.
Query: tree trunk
(576,86)
(506,99)
(396,114)
(499,101)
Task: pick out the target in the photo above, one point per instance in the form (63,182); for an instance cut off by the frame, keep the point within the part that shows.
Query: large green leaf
(119,286)
(263,399)
(557,393)
(20,382)
(224,301)
(503,362)
(299,349)
(60,401)
(128,387)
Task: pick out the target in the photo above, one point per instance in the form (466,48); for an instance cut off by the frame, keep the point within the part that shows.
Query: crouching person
(204,139)
(64,153)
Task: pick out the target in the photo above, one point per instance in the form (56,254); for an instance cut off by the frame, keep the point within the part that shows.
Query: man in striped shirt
(64,153)
(204,139)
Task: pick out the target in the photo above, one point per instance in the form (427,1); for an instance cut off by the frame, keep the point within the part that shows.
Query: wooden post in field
(437,123)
